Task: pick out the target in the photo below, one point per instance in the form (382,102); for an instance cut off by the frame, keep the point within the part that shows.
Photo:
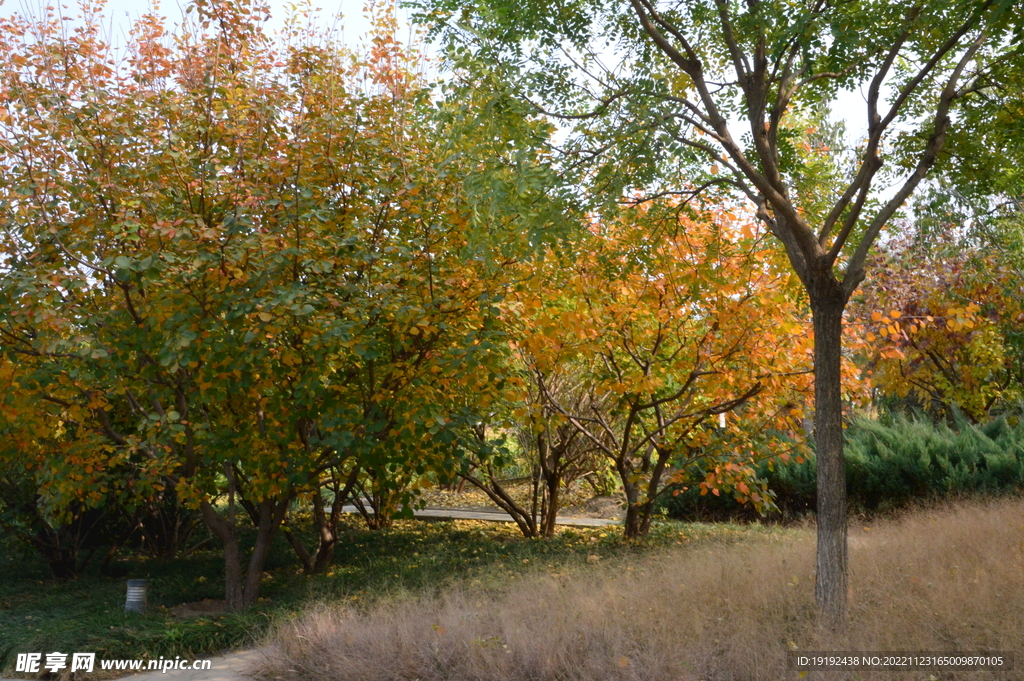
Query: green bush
(888,465)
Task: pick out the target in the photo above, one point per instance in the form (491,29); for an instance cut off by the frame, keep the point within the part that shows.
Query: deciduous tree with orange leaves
(690,344)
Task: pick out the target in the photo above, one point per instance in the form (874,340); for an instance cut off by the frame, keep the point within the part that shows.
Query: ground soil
(203,608)
(577,503)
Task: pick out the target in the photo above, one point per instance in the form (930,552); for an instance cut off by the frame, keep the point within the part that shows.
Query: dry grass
(944,580)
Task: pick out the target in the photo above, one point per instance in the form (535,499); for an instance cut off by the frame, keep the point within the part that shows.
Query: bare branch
(855,269)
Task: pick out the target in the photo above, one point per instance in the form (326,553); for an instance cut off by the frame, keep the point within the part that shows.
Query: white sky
(351,16)
(352,20)
(120,13)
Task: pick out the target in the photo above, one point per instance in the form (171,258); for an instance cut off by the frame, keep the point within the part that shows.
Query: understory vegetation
(944,578)
(890,464)
(38,613)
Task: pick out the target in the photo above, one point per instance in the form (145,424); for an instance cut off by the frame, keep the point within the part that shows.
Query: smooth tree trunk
(639,511)
(633,525)
(227,533)
(551,461)
(553,484)
(638,518)
(831,579)
(271,515)
(327,529)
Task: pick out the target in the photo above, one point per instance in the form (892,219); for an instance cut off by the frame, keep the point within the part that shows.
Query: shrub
(888,465)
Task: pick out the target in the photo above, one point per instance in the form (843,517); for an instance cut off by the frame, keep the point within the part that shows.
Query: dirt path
(494,516)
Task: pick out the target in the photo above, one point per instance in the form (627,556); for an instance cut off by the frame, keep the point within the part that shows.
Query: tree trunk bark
(228,537)
(554,483)
(830,589)
(327,528)
(271,515)
(632,523)
(242,590)
(646,510)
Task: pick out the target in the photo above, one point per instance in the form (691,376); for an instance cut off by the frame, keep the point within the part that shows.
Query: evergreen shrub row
(888,465)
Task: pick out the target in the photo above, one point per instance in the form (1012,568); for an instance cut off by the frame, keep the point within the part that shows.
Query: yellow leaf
(876,316)
(265,316)
(895,314)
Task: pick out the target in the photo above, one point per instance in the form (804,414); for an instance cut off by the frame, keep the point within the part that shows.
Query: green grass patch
(40,614)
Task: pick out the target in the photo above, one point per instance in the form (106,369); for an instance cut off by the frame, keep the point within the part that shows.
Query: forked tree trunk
(271,515)
(638,520)
(831,580)
(327,526)
(640,514)
(242,589)
(550,459)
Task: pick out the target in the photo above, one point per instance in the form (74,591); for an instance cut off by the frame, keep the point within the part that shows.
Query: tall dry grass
(943,580)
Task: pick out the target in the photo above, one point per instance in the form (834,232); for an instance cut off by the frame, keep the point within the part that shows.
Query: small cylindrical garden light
(136,601)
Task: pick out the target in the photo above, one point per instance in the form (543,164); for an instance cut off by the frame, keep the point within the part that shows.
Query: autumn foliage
(940,328)
(685,345)
(235,272)
(243,274)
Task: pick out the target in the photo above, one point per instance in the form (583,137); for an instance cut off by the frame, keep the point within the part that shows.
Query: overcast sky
(121,12)
(352,20)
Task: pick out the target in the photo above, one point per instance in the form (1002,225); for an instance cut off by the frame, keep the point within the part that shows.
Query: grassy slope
(947,579)
(39,614)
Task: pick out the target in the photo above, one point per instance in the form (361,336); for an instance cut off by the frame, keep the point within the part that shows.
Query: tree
(941,323)
(86,488)
(664,322)
(556,452)
(704,94)
(241,270)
